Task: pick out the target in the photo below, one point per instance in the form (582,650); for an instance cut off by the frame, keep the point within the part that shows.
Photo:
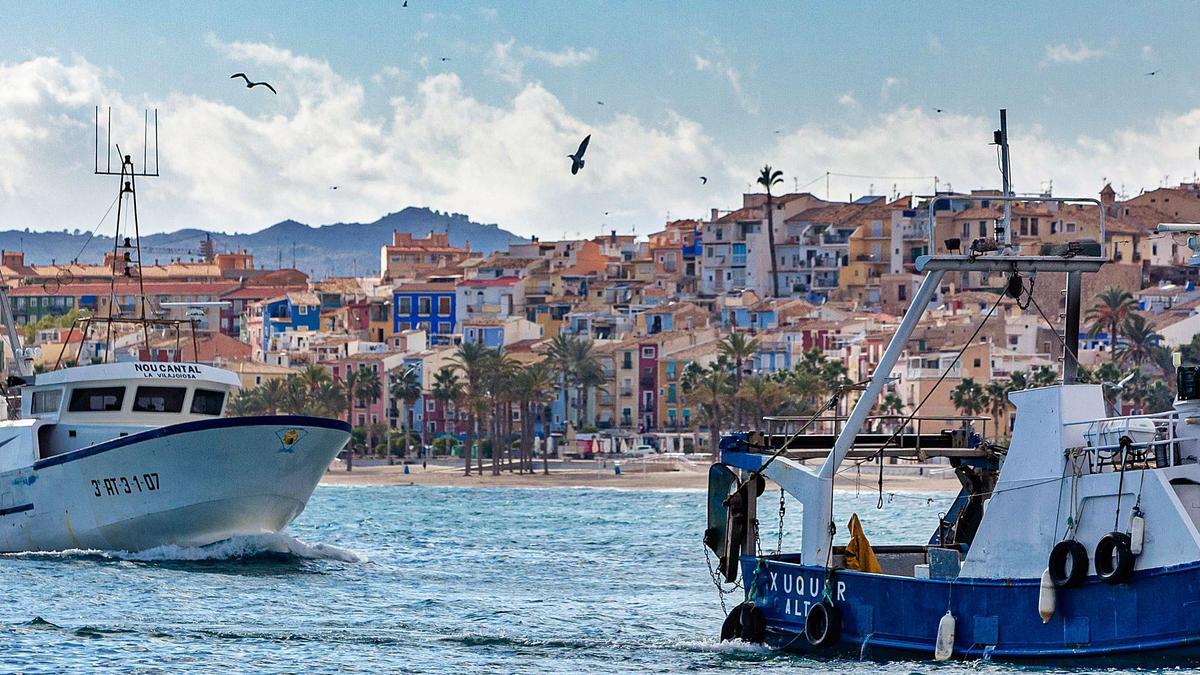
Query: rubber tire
(731,628)
(1119,571)
(823,625)
(754,624)
(1077,554)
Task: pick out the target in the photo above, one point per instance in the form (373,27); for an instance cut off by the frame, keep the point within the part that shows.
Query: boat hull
(187,484)
(1157,612)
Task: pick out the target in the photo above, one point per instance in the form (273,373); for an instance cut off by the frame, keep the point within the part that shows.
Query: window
(444,306)
(97,399)
(424,305)
(647,352)
(978,363)
(966,231)
(983,228)
(406,305)
(303,310)
(46,401)
(207,402)
(159,399)
(1053,227)
(1070,227)
(1033,227)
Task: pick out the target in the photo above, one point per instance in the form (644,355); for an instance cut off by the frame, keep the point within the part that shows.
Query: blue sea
(425,580)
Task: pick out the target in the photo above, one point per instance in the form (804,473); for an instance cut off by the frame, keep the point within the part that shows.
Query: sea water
(424,579)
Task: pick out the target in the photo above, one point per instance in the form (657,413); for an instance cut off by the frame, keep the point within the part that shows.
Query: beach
(655,475)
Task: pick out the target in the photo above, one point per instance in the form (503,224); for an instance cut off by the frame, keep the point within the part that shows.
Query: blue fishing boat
(1080,539)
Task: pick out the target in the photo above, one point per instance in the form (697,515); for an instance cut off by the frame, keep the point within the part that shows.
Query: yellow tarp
(859,555)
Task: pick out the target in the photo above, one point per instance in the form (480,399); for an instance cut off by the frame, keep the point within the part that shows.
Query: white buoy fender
(944,648)
(1137,535)
(1046,597)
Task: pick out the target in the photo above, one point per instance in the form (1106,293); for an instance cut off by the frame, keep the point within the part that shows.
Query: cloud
(246,162)
(934,45)
(508,59)
(885,89)
(1147,53)
(1063,53)
(847,100)
(718,62)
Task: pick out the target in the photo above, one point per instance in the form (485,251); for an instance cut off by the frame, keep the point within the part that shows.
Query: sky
(473,107)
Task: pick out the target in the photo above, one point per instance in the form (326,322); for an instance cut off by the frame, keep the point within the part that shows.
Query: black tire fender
(754,624)
(823,625)
(1068,550)
(1114,558)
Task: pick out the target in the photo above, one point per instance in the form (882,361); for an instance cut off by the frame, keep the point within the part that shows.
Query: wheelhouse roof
(140,371)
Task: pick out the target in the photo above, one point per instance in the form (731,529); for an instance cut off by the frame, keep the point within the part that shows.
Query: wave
(248,547)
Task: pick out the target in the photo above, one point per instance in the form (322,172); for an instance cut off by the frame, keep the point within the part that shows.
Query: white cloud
(508,59)
(934,45)
(1061,52)
(885,89)
(252,160)
(1147,53)
(719,62)
(847,100)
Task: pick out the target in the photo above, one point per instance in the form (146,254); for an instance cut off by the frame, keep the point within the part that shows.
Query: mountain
(339,249)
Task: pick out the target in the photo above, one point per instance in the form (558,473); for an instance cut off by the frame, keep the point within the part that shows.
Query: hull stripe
(16,509)
(189,427)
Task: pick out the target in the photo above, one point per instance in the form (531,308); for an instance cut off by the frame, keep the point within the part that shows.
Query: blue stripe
(7,441)
(16,509)
(188,427)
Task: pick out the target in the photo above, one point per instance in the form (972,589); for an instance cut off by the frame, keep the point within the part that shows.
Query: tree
(1044,376)
(351,389)
(539,387)
(329,399)
(707,389)
(737,348)
(891,404)
(1113,306)
(312,377)
(768,179)
(996,394)
(406,388)
(578,368)
(447,390)
(295,399)
(760,396)
(272,393)
(1139,341)
(470,361)
(245,403)
(368,389)
(968,397)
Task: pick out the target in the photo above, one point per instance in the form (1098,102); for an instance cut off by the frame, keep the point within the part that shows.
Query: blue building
(429,306)
(487,332)
(291,312)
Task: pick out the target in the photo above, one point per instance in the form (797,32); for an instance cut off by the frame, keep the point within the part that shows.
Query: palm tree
(707,389)
(312,377)
(470,360)
(350,386)
(1044,376)
(578,368)
(498,381)
(1113,306)
(447,390)
(996,394)
(329,399)
(273,392)
(368,389)
(968,397)
(1018,381)
(1139,342)
(768,179)
(539,386)
(406,388)
(295,399)
(761,396)
(890,404)
(246,402)
(738,348)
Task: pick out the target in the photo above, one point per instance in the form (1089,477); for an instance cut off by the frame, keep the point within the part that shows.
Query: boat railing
(915,425)
(1137,441)
(891,436)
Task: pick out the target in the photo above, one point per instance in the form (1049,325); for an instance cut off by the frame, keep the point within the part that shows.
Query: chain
(782,509)
(716,578)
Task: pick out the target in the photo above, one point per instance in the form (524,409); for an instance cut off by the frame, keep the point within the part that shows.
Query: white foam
(234,548)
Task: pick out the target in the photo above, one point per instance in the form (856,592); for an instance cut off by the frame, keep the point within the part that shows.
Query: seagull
(941,110)
(1154,72)
(577,158)
(251,85)
(445,58)
(333,187)
(405,3)
(599,102)
(704,180)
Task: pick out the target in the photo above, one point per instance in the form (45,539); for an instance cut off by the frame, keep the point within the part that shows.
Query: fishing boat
(133,455)
(1080,539)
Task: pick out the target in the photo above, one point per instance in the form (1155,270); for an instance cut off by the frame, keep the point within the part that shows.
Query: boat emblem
(289,438)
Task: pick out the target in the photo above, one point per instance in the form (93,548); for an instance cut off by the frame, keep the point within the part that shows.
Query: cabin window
(97,399)
(46,401)
(207,402)
(159,399)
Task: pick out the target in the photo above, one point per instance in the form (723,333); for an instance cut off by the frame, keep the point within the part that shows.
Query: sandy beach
(680,475)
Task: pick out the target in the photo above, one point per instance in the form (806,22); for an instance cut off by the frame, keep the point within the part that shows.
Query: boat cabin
(73,408)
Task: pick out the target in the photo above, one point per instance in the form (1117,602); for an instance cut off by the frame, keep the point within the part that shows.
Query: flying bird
(445,58)
(251,85)
(704,180)
(333,187)
(1154,72)
(577,158)
(941,110)
(599,102)
(405,3)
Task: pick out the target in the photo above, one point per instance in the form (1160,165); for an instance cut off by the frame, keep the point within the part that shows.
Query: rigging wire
(97,227)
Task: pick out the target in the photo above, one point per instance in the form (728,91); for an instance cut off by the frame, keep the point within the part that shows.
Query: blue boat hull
(1157,612)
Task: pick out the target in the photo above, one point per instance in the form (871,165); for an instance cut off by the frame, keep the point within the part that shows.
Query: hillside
(337,249)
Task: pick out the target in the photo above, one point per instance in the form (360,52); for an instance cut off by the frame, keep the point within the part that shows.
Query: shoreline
(682,477)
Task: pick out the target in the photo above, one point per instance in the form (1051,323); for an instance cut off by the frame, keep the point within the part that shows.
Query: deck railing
(1136,441)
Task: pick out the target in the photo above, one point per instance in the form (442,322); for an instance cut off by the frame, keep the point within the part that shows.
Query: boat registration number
(124,485)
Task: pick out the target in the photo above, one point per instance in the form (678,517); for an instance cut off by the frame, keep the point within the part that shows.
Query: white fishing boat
(135,455)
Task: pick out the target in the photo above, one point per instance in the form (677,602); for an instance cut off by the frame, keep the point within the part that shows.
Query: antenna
(148,120)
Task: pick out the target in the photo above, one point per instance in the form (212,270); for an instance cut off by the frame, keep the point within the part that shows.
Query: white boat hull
(187,484)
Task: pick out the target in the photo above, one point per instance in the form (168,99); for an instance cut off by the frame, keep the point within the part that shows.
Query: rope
(97,227)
